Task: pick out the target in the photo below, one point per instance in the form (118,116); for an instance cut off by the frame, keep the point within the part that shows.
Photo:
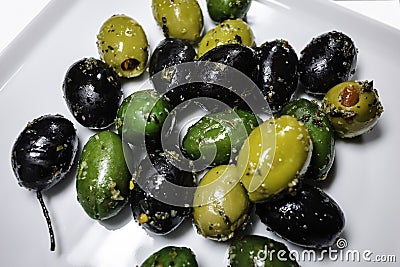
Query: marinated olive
(277,76)
(255,250)
(321,132)
(142,113)
(122,44)
(182,19)
(329,59)
(224,132)
(220,10)
(171,256)
(353,107)
(307,217)
(221,206)
(169,52)
(93,92)
(103,177)
(240,57)
(156,205)
(42,155)
(231,31)
(264,164)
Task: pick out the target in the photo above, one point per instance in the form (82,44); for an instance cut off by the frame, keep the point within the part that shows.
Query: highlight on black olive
(92,91)
(42,155)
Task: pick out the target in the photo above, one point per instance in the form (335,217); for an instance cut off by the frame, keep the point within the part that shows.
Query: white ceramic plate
(364,180)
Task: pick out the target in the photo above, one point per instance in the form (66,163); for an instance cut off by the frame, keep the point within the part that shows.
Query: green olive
(231,31)
(274,157)
(171,256)
(221,10)
(221,206)
(353,107)
(123,45)
(182,19)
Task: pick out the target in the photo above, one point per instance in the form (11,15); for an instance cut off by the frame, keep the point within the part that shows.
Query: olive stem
(48,220)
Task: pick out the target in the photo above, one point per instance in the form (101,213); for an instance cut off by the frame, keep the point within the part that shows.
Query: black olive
(170,52)
(307,217)
(240,57)
(43,154)
(151,193)
(328,60)
(278,75)
(93,93)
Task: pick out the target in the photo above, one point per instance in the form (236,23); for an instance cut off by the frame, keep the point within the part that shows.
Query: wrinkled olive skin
(222,131)
(353,107)
(182,19)
(255,250)
(148,197)
(329,59)
(264,164)
(278,75)
(230,31)
(221,206)
(171,256)
(122,44)
(44,152)
(103,177)
(322,134)
(92,92)
(169,52)
(240,57)
(307,217)
(220,10)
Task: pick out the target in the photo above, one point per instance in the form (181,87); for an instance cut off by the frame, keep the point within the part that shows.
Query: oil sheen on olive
(307,217)
(353,107)
(149,197)
(260,251)
(169,52)
(42,155)
(220,10)
(278,75)
(93,93)
(122,44)
(329,59)
(240,57)
(182,19)
(322,135)
(224,132)
(171,256)
(221,206)
(103,177)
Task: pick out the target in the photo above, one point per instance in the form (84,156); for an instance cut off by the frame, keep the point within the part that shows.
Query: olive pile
(268,166)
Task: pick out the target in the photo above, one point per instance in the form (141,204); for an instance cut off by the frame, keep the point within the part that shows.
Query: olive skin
(169,52)
(171,256)
(307,217)
(220,10)
(122,44)
(353,107)
(322,134)
(103,177)
(329,59)
(240,57)
(277,77)
(150,194)
(222,131)
(230,31)
(264,164)
(44,152)
(92,92)
(182,19)
(255,250)
(221,206)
